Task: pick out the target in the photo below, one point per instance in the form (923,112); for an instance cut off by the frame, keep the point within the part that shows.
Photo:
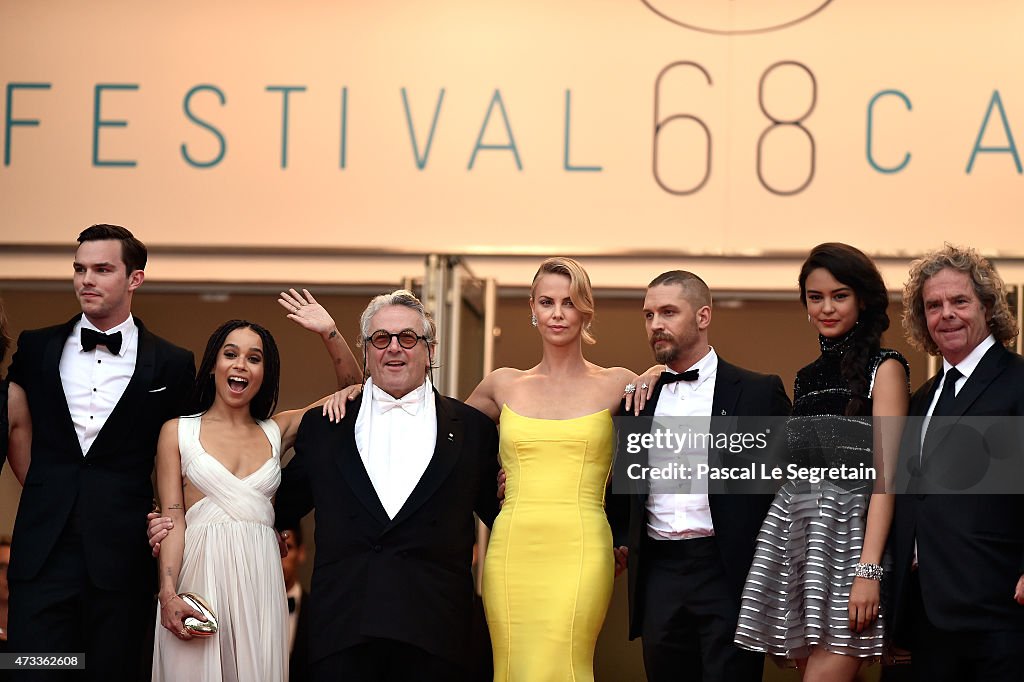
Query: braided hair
(851,267)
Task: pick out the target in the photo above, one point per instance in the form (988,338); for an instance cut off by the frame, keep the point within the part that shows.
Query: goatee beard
(667,355)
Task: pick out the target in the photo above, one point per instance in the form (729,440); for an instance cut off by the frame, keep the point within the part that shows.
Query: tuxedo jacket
(299,669)
(970,547)
(737,518)
(110,488)
(408,578)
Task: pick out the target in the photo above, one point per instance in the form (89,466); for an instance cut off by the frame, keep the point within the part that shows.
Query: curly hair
(988,287)
(850,266)
(263,403)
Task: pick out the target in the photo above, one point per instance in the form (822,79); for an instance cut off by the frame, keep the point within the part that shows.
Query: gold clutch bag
(196,627)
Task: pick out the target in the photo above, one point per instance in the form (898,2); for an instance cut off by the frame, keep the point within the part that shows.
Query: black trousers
(690,614)
(945,656)
(61,611)
(386,660)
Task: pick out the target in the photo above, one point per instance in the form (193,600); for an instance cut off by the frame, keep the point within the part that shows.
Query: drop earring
(533,320)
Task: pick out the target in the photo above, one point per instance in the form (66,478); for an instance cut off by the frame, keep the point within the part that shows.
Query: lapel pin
(723,413)
(451,436)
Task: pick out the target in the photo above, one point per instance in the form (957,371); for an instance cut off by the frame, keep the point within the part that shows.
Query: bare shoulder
(891,375)
(504,375)
(616,375)
(170,427)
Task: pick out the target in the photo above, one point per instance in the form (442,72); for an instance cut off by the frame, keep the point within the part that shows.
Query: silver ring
(630,388)
(643,386)
(295,308)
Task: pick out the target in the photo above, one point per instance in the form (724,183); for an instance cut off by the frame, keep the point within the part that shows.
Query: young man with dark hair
(82,578)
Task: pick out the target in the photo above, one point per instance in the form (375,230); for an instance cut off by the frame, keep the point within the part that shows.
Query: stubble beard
(665,355)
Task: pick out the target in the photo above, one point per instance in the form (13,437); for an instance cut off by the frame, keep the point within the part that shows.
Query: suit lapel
(53,385)
(991,365)
(346,455)
(126,410)
(446,454)
(918,407)
(727,391)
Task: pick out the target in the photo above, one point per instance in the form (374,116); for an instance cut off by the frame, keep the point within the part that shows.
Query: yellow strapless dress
(549,567)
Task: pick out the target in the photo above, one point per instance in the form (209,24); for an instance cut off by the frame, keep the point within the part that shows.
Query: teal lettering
(871,115)
(565,155)
(203,124)
(286,91)
(343,153)
(99,122)
(995,103)
(10,121)
(421,161)
(496,99)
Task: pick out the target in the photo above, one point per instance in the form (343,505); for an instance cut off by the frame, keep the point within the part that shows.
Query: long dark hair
(854,269)
(204,391)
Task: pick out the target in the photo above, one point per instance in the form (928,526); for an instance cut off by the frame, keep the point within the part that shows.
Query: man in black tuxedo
(81,575)
(298,599)
(958,583)
(688,554)
(394,485)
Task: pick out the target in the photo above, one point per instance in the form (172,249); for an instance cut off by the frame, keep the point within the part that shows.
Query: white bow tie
(384,403)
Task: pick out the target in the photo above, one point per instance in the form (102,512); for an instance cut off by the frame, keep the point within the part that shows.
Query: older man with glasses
(394,485)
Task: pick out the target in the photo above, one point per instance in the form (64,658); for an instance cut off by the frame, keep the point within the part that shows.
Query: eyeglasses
(407,338)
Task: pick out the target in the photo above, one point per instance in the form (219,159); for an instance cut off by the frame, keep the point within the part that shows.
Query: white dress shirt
(95,380)
(966,368)
(396,438)
(681,516)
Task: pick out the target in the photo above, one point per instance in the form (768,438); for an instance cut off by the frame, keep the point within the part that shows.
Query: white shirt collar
(126,328)
(970,363)
(372,395)
(706,368)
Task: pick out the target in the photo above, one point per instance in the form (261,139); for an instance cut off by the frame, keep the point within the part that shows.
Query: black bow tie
(671,377)
(291,604)
(92,338)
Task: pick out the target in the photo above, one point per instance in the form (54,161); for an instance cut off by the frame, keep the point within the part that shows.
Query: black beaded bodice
(819,434)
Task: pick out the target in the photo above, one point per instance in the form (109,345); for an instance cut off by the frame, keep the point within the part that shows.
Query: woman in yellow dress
(549,567)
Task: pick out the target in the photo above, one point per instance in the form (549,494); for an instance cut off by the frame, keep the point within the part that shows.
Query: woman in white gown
(217,472)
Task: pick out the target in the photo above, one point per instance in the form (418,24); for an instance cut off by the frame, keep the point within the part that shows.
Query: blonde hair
(988,287)
(580,292)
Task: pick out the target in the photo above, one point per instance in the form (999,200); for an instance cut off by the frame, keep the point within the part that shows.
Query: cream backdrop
(495,128)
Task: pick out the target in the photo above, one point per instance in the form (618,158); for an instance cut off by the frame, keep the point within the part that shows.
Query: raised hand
(304,311)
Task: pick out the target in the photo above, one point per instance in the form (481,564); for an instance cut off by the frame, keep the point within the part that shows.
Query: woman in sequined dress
(813,593)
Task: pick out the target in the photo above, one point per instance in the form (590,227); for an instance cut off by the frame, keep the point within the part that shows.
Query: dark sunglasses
(407,339)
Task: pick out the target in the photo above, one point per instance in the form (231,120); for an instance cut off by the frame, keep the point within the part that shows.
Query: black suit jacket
(737,518)
(408,578)
(299,669)
(970,547)
(110,488)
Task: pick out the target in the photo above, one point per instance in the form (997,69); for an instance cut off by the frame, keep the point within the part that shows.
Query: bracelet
(868,571)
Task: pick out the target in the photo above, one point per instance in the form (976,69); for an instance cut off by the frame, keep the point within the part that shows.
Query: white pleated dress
(231,559)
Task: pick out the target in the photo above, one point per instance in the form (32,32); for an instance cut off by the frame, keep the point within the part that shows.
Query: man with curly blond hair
(958,559)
